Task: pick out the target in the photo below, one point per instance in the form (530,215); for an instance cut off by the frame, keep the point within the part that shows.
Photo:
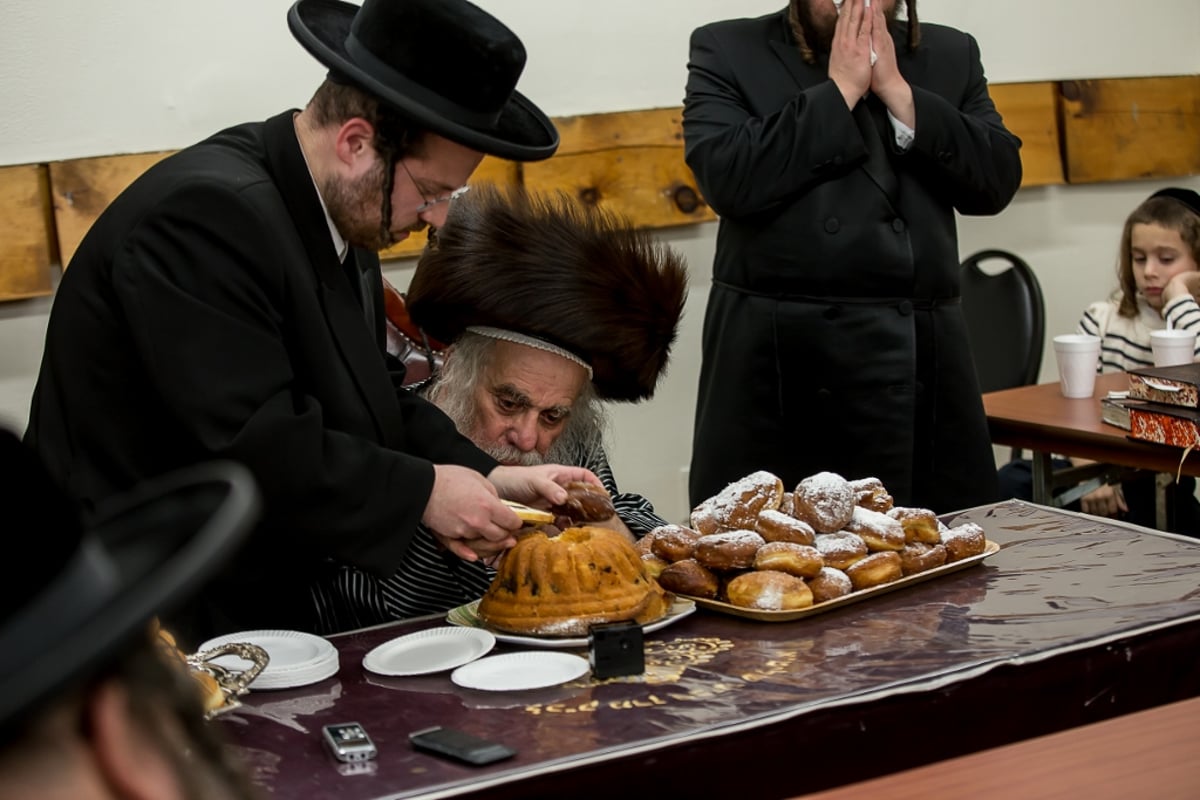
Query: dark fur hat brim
(544,265)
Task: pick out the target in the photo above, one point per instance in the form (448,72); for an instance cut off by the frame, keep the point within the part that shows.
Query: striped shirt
(431,579)
(1125,341)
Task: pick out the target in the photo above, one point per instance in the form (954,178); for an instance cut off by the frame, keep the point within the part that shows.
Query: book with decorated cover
(1165,424)
(1177,386)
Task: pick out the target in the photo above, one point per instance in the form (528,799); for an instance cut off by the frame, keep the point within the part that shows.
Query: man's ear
(130,759)
(354,142)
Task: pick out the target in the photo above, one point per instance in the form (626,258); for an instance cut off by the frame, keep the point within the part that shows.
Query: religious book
(1177,386)
(1165,424)
(1115,410)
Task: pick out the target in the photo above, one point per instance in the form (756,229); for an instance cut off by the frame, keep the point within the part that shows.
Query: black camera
(616,649)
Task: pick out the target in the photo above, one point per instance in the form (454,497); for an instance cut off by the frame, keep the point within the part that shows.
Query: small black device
(348,741)
(459,745)
(615,649)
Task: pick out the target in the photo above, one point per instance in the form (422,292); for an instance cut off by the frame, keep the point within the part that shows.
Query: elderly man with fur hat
(552,309)
(228,304)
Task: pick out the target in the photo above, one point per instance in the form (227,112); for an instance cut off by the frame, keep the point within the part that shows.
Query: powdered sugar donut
(879,531)
(920,524)
(728,550)
(737,506)
(963,541)
(840,549)
(673,542)
(794,559)
(829,584)
(875,570)
(775,526)
(767,590)
(919,556)
(870,493)
(825,501)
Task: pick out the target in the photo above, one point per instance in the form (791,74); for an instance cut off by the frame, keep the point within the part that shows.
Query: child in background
(1159,279)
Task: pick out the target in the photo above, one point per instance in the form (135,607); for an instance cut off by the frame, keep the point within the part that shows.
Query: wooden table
(1075,620)
(1038,418)
(1146,754)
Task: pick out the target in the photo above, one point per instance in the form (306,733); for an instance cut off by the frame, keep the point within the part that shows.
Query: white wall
(82,79)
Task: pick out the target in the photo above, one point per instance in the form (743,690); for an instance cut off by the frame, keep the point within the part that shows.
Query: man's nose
(436,216)
(523,433)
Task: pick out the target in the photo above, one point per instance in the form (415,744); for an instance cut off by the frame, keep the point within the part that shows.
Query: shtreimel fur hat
(543,265)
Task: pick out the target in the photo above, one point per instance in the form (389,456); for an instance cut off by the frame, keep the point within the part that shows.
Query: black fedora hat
(446,64)
(81,593)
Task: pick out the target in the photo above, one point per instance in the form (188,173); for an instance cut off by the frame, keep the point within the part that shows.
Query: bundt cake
(561,585)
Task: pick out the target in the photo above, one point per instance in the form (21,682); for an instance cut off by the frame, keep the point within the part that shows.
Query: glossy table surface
(1074,620)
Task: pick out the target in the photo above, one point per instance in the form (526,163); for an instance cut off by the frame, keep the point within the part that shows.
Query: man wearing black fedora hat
(89,706)
(228,304)
(552,309)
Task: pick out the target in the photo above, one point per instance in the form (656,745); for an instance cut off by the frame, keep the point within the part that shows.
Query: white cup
(1078,357)
(1171,347)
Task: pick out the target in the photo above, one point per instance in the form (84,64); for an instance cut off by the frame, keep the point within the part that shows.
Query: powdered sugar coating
(768,590)
(776,526)
(728,549)
(738,504)
(829,584)
(963,541)
(825,501)
(840,549)
(879,531)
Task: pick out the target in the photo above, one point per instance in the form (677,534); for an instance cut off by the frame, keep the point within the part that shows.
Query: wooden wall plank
(649,185)
(632,162)
(26,232)
(1131,128)
(1030,111)
(655,127)
(84,187)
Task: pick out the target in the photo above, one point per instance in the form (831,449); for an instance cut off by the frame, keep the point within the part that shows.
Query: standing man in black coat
(229,305)
(836,142)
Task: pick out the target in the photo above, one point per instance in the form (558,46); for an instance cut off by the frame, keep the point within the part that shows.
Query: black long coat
(206,315)
(833,337)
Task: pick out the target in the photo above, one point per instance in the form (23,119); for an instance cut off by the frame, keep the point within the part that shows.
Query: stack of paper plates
(297,659)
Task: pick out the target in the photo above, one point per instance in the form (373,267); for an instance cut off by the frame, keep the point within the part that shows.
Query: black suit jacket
(832,338)
(206,315)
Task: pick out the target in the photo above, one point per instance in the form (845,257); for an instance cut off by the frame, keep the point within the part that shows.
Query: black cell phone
(459,745)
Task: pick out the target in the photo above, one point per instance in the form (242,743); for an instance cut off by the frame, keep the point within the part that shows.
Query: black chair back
(1006,320)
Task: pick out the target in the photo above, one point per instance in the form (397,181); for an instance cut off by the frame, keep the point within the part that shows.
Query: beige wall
(81,79)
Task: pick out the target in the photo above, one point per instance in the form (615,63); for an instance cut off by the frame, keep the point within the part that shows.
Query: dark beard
(353,203)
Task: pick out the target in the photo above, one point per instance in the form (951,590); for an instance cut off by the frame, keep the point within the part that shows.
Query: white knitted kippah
(529,341)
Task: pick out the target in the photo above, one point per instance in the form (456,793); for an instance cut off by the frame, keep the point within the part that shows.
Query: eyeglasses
(431,202)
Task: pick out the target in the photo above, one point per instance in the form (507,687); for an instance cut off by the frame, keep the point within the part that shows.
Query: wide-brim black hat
(446,64)
(79,595)
(546,266)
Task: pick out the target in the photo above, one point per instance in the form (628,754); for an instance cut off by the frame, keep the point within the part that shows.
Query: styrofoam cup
(1078,356)
(1174,346)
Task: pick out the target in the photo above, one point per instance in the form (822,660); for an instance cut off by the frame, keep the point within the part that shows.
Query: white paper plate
(517,671)
(468,616)
(434,650)
(297,658)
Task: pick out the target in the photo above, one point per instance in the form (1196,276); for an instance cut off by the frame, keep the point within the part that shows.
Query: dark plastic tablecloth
(1075,619)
